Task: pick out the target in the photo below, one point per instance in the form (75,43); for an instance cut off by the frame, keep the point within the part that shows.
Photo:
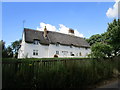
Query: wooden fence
(29,73)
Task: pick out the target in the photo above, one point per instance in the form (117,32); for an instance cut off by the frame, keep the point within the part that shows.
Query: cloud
(78,34)
(62,29)
(113,12)
(49,27)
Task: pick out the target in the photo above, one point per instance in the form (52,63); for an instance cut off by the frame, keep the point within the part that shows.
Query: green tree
(3,49)
(113,36)
(95,38)
(15,47)
(9,51)
(101,50)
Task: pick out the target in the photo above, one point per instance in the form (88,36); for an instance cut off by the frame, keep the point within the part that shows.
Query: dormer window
(71,45)
(36,42)
(57,44)
(86,48)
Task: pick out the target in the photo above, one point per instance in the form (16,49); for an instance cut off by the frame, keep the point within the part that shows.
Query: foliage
(101,50)
(9,51)
(113,34)
(57,74)
(15,47)
(109,41)
(2,46)
(6,52)
(94,38)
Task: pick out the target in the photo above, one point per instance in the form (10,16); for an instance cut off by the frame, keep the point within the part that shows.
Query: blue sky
(88,18)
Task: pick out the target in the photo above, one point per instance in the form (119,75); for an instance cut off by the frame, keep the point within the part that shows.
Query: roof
(53,38)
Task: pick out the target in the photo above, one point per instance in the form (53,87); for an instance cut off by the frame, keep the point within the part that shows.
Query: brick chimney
(71,32)
(45,32)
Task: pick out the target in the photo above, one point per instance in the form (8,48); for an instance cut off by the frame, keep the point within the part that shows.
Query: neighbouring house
(45,44)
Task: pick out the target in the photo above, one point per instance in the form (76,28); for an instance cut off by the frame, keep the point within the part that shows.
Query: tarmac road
(113,85)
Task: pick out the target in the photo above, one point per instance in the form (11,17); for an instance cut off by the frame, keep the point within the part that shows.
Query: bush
(57,74)
(101,50)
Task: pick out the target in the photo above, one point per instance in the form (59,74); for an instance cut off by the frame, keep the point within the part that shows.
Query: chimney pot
(45,32)
(71,31)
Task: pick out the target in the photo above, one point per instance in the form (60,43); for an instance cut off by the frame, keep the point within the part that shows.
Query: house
(44,44)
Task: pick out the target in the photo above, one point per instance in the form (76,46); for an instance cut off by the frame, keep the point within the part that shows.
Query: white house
(44,44)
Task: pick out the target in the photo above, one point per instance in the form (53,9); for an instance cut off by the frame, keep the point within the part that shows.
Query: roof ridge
(54,37)
(54,32)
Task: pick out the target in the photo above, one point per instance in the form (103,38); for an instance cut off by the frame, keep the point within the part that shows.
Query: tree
(101,50)
(9,51)
(15,47)
(108,40)
(3,49)
(94,38)
(113,35)
(2,44)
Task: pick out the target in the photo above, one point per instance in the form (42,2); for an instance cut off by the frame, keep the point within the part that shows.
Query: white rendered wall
(50,51)
(44,51)
(28,50)
(75,50)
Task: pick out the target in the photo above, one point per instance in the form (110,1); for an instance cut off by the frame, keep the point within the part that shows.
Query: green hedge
(57,74)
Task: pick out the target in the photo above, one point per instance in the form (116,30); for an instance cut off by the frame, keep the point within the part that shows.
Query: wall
(26,50)
(50,51)
(75,50)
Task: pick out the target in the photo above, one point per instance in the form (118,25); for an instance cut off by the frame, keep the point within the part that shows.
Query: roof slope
(54,37)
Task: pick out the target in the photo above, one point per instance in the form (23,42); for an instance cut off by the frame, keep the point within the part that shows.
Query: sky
(86,18)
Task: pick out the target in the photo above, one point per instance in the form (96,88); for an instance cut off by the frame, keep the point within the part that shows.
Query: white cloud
(62,29)
(78,34)
(113,12)
(49,27)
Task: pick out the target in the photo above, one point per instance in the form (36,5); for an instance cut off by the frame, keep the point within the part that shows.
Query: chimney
(71,31)
(45,32)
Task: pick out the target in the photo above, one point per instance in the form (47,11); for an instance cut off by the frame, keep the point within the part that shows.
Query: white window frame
(36,42)
(35,52)
(57,52)
(65,53)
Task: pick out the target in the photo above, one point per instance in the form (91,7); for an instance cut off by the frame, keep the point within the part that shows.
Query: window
(65,53)
(76,54)
(57,52)
(36,42)
(70,46)
(35,52)
(80,54)
(57,44)
(86,48)
(86,54)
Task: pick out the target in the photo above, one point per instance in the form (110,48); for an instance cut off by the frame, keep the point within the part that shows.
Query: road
(113,85)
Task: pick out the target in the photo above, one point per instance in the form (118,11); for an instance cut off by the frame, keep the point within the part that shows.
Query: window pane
(57,52)
(36,53)
(33,53)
